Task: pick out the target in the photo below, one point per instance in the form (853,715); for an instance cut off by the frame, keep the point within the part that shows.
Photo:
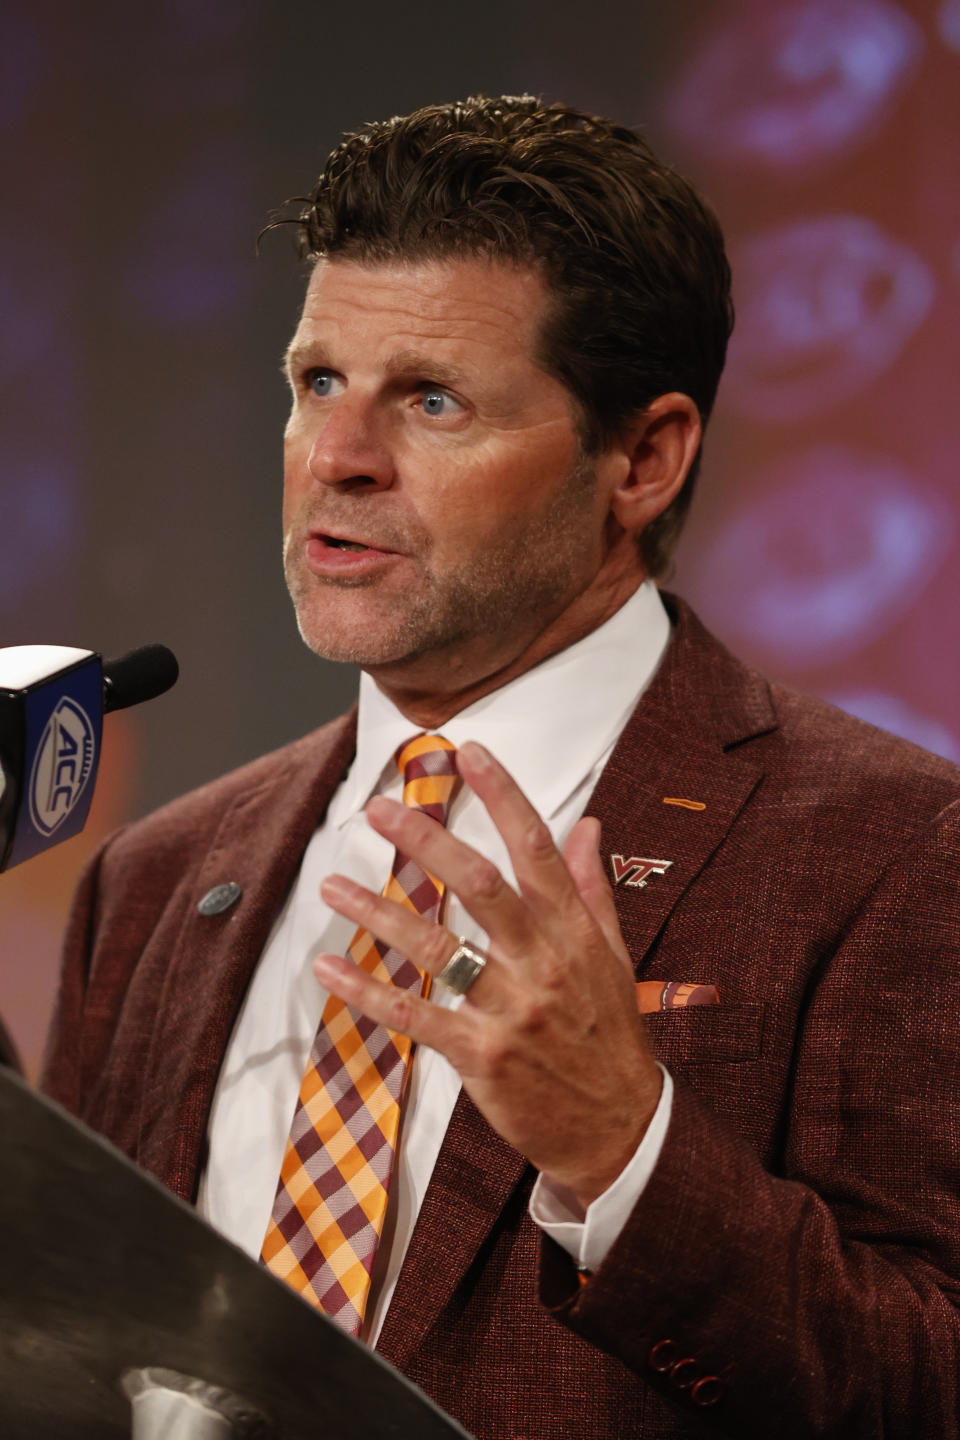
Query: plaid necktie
(332,1195)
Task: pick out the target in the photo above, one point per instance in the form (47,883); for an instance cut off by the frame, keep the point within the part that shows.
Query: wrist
(616,1142)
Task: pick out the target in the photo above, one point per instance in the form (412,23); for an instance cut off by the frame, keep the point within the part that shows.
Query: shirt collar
(549,726)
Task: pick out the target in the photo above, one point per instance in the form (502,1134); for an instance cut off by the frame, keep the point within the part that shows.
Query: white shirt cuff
(588,1237)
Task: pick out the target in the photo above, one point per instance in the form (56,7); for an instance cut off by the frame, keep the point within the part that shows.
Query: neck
(436,688)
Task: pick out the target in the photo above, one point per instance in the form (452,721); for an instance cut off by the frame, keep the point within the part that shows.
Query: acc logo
(62,766)
(636,870)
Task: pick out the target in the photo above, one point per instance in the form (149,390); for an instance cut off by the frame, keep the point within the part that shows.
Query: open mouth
(335,551)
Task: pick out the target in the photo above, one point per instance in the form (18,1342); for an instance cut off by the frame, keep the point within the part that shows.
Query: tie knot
(428,764)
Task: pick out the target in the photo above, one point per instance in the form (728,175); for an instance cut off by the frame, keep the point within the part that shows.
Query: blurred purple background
(141,337)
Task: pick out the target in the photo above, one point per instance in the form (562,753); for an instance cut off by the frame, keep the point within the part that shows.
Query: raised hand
(548,1041)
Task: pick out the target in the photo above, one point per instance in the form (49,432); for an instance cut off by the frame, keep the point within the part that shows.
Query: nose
(349,450)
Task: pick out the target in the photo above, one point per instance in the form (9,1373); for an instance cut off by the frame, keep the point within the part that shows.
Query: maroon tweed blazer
(794,1264)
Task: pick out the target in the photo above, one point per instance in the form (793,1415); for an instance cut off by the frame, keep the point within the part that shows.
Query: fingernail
(328,967)
(384,807)
(336,887)
(475,754)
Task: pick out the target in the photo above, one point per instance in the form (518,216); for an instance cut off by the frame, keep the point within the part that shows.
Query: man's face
(436,503)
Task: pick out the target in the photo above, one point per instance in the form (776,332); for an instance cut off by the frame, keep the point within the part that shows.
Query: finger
(582,856)
(429,946)
(449,1031)
(539,867)
(475,880)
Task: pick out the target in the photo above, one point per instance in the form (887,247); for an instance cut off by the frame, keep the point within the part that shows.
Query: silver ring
(463,967)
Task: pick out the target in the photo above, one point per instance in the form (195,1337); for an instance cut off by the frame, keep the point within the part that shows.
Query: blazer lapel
(638,823)
(259,845)
(475,1175)
(683,742)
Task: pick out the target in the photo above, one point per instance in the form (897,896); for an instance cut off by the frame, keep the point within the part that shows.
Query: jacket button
(708,1390)
(663,1355)
(220,898)
(684,1373)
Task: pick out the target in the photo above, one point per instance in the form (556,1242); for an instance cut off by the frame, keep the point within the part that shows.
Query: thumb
(582,856)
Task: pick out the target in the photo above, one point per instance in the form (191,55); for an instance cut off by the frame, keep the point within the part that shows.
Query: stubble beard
(516,586)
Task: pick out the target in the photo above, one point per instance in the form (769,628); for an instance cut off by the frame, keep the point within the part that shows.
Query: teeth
(346,545)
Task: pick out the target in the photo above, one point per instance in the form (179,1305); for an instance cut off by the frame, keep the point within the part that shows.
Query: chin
(365,646)
(345,624)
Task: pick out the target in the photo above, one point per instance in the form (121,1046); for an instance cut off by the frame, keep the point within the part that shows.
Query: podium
(122,1313)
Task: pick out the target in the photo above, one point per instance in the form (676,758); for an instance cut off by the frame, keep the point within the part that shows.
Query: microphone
(139,675)
(52,702)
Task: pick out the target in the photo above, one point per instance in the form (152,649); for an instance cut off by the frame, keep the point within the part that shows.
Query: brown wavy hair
(632,256)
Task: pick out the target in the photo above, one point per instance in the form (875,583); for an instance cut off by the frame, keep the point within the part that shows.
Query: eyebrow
(406,363)
(294,356)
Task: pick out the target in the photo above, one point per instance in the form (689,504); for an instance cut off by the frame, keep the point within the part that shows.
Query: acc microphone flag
(52,702)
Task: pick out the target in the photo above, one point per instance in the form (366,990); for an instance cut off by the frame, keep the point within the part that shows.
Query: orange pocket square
(655,995)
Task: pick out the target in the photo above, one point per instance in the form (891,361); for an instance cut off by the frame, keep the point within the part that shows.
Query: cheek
(294,498)
(296,453)
(497,487)
(462,504)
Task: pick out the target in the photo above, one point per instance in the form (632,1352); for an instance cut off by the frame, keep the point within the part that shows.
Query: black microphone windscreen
(141,674)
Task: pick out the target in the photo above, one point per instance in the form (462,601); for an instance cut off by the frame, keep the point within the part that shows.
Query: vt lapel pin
(636,870)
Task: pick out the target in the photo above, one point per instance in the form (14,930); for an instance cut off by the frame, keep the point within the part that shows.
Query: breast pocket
(706,1034)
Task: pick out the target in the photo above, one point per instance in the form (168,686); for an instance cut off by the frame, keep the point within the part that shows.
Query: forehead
(462,304)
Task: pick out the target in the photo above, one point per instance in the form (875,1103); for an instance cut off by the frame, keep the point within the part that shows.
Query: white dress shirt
(553,728)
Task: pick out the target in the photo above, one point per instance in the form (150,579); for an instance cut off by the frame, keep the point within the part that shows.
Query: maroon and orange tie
(332,1195)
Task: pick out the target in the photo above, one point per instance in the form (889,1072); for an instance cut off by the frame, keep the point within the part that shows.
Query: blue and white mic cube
(51,716)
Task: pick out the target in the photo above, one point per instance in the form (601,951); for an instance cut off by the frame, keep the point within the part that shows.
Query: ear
(654,453)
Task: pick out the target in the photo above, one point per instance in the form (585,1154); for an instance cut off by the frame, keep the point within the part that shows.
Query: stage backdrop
(141,338)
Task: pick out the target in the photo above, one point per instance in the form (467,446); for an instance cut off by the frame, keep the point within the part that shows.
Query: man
(720,1216)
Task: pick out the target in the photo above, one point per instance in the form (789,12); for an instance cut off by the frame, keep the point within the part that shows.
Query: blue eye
(320,382)
(438,402)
